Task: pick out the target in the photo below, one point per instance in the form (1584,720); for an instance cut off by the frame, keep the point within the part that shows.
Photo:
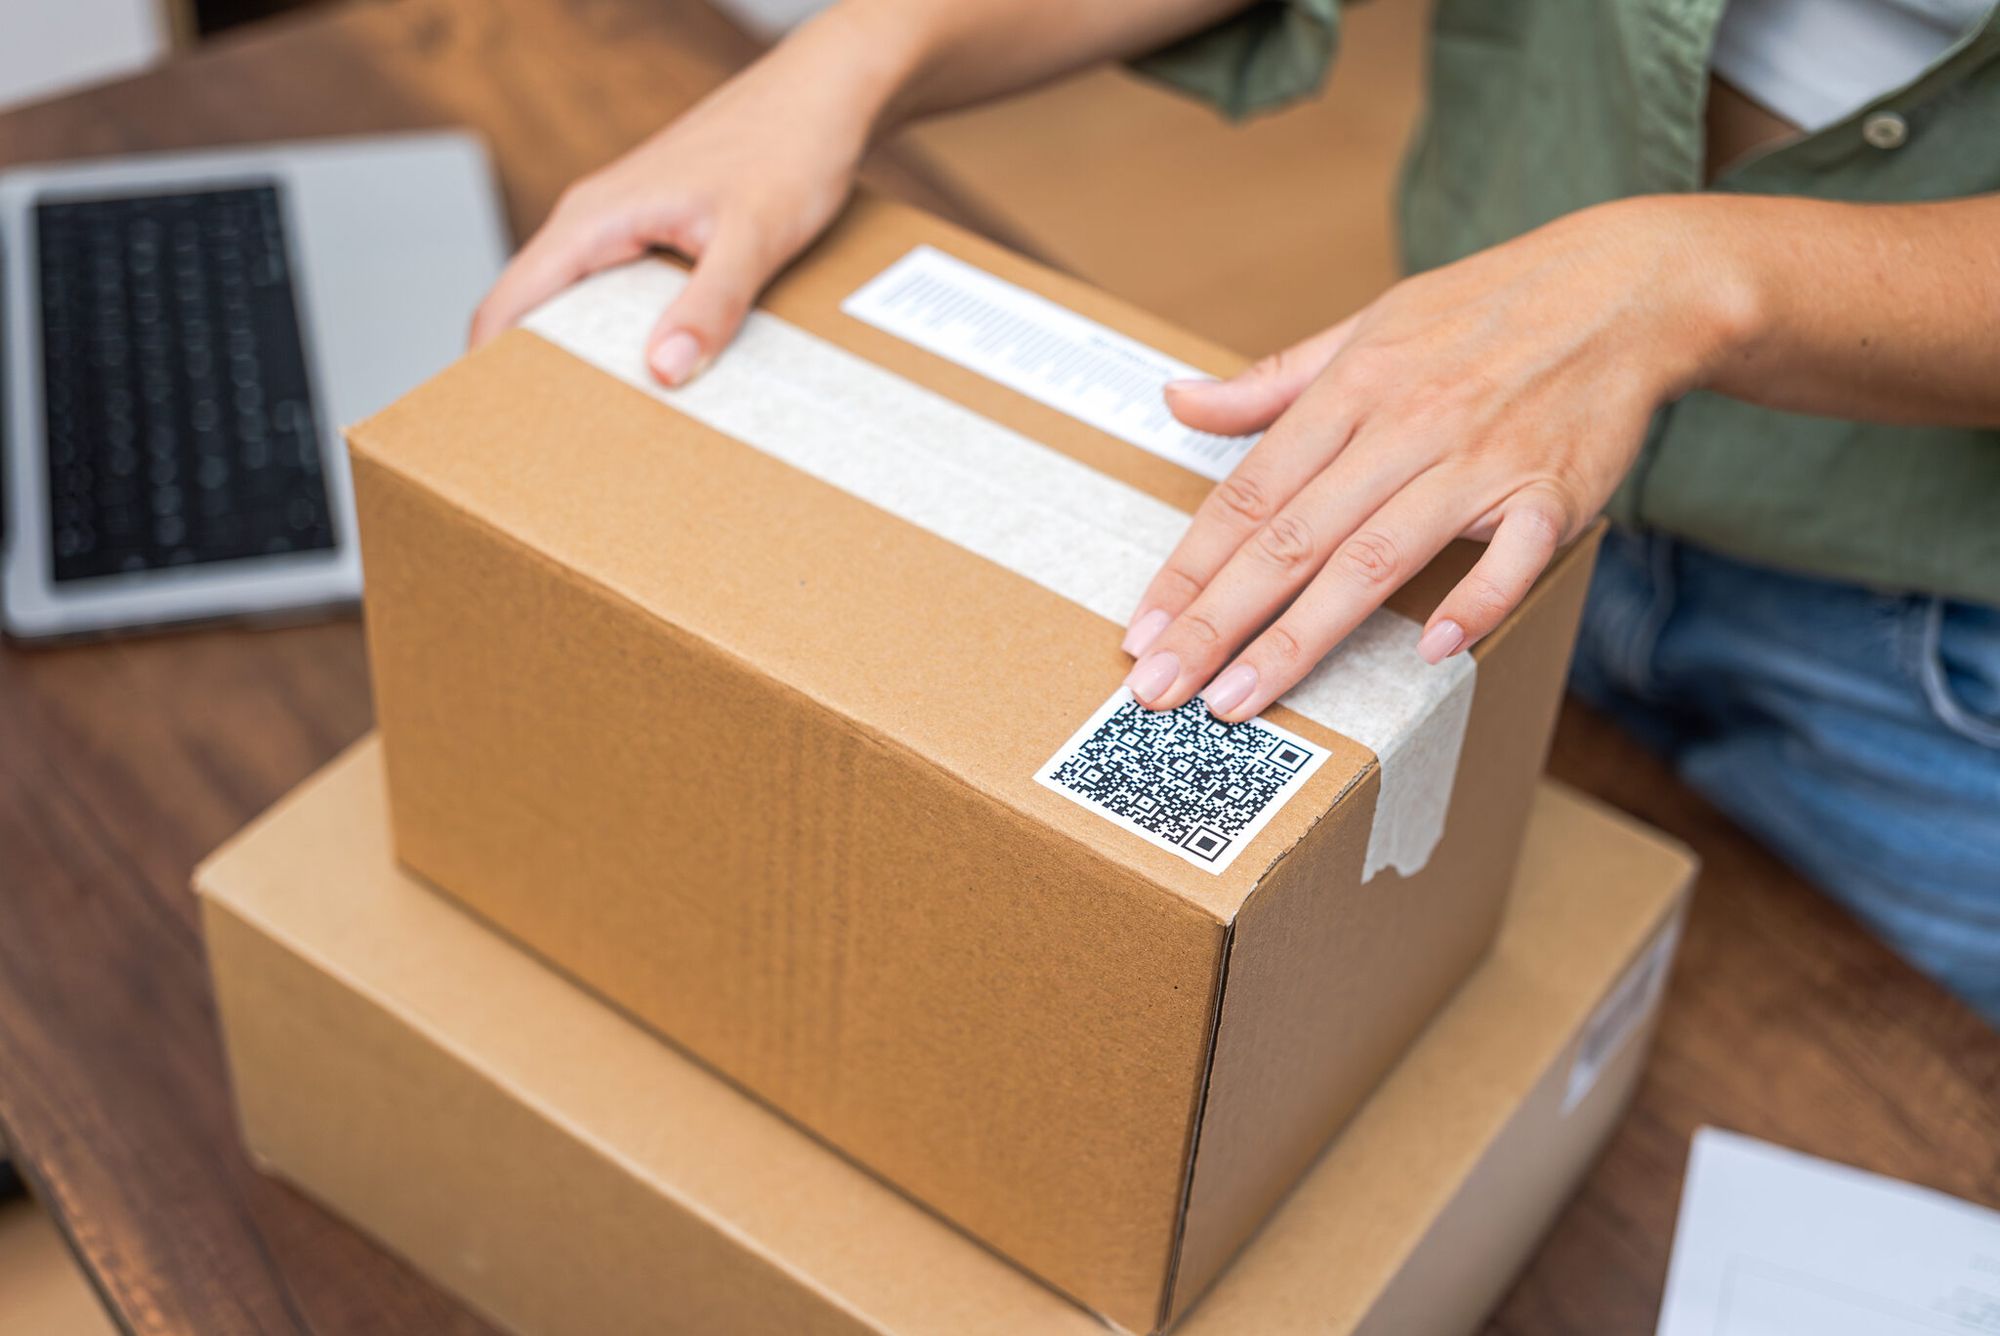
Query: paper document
(1775,1243)
(1045,351)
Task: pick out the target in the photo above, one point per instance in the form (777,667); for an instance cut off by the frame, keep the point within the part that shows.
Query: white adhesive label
(1179,779)
(1045,351)
(1621,1013)
(1090,538)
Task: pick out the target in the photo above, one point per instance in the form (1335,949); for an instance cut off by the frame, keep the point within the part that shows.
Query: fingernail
(676,357)
(1441,641)
(1192,383)
(1145,631)
(1231,689)
(1154,674)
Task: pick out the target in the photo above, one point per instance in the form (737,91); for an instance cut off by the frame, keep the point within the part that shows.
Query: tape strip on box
(1076,532)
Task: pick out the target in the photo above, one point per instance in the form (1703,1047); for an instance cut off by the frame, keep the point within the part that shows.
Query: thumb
(1252,400)
(702,320)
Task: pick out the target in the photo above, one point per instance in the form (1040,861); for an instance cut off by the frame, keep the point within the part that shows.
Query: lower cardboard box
(563,1170)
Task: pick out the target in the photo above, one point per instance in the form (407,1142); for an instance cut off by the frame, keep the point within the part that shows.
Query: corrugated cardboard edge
(1201,1110)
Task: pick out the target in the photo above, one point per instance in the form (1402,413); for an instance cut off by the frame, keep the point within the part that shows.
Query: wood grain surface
(122,763)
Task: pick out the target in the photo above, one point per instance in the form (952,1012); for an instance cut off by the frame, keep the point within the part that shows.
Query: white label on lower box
(1045,351)
(1622,1011)
(1181,779)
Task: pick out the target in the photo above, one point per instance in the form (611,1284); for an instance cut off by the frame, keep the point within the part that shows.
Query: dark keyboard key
(179,419)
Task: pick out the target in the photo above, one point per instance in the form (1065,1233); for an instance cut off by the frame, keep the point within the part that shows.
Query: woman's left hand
(1500,398)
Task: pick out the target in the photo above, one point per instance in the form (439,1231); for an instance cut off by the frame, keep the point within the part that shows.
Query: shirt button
(1885,129)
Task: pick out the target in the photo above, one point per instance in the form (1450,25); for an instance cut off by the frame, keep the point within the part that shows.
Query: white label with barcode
(1045,351)
(1181,779)
(1619,1014)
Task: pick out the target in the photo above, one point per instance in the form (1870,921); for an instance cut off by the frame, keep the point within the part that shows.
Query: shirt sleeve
(1272,53)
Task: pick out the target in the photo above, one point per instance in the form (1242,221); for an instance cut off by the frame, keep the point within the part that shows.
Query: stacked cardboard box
(781,713)
(542,1155)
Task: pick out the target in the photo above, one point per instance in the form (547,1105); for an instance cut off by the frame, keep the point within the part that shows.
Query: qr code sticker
(1182,779)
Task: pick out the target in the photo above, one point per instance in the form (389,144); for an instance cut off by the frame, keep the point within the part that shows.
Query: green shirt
(1542,107)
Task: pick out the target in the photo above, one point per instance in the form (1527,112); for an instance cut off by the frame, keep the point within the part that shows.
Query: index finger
(1298,447)
(555,257)
(1367,566)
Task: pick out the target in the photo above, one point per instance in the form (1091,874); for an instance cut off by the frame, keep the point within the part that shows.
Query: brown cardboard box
(1118,179)
(552,1162)
(756,759)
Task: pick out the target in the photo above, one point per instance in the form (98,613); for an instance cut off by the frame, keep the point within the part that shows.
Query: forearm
(912,58)
(1865,311)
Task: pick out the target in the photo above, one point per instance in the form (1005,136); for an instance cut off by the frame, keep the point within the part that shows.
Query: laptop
(183,335)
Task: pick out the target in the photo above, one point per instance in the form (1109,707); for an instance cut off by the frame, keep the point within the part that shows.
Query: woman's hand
(739,185)
(746,180)
(1500,398)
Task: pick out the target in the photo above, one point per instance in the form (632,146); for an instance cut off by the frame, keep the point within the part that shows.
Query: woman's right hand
(739,185)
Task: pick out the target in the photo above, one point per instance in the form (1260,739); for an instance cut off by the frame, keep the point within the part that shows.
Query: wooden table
(122,763)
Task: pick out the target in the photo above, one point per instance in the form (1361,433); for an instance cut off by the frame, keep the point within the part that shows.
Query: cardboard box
(553,1163)
(748,737)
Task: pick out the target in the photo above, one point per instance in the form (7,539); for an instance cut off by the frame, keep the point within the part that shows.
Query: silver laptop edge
(393,241)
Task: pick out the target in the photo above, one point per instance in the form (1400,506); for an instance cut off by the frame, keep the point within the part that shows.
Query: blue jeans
(1855,733)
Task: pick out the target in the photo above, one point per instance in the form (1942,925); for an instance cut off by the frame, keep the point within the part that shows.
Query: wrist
(1717,301)
(872,55)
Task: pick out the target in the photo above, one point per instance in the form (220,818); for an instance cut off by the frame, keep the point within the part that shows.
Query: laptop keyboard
(180,422)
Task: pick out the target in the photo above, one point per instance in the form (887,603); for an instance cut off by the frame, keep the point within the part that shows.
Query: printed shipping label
(1181,779)
(1619,1014)
(1045,351)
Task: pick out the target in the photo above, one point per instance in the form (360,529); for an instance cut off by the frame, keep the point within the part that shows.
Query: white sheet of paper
(1775,1243)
